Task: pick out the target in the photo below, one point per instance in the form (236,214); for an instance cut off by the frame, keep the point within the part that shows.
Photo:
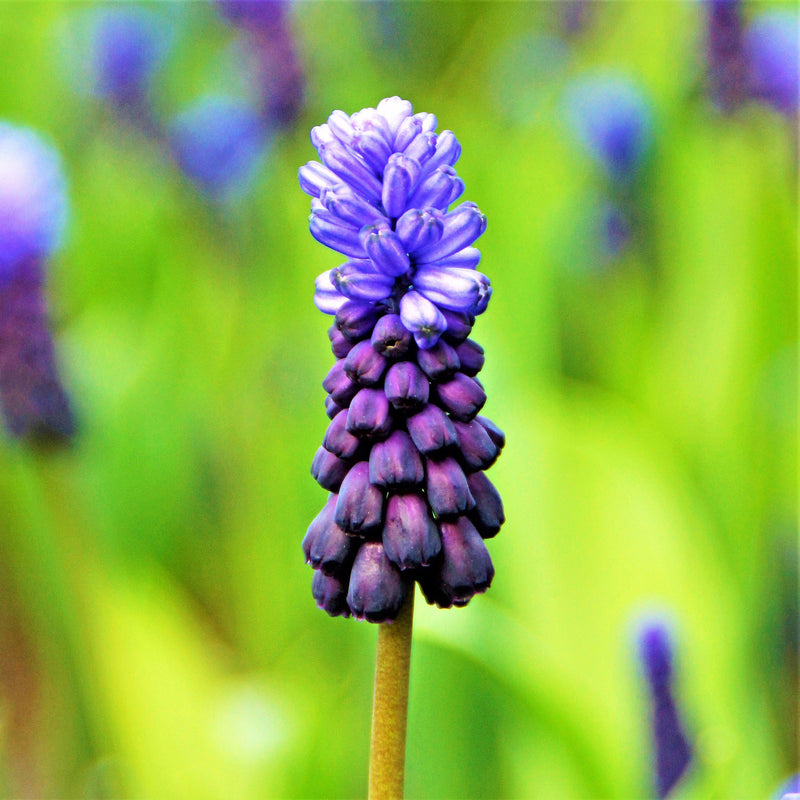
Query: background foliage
(157,634)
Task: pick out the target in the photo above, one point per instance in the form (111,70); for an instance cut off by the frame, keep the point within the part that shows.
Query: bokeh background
(157,633)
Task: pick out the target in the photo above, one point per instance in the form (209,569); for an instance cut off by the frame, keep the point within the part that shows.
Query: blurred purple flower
(127,45)
(270,53)
(611,118)
(673,753)
(33,200)
(254,14)
(790,789)
(727,64)
(772,44)
(405,451)
(218,143)
(33,209)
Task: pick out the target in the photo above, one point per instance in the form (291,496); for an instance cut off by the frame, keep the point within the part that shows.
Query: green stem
(390,706)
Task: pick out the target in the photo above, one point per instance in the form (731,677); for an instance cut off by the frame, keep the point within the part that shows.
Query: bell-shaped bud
(395,462)
(364,365)
(406,387)
(495,434)
(357,319)
(377,589)
(431,430)
(359,507)
(470,357)
(410,536)
(465,570)
(329,470)
(461,396)
(390,337)
(368,415)
(487,516)
(338,384)
(476,450)
(440,362)
(326,545)
(330,594)
(338,440)
(446,487)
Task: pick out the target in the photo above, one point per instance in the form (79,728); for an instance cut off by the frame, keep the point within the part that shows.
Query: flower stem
(390,706)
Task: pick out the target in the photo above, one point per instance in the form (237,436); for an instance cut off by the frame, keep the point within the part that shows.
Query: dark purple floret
(410,536)
(377,589)
(407,389)
(329,470)
(440,362)
(465,568)
(461,396)
(330,594)
(476,451)
(326,546)
(340,344)
(487,516)
(395,462)
(470,357)
(447,488)
(338,385)
(402,400)
(359,506)
(431,430)
(364,364)
(368,414)
(673,753)
(338,440)
(390,337)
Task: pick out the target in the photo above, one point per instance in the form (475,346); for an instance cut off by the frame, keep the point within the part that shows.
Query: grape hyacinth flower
(727,63)
(673,753)
(33,208)
(772,44)
(218,143)
(405,452)
(611,118)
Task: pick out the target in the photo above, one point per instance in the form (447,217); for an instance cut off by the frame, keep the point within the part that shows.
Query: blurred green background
(158,637)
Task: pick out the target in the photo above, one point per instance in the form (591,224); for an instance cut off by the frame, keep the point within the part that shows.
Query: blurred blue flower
(33,200)
(254,14)
(727,64)
(218,143)
(33,209)
(269,57)
(611,118)
(126,46)
(673,753)
(773,48)
(790,789)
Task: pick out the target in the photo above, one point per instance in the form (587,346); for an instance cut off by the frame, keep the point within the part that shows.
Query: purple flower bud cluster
(33,209)
(673,753)
(405,454)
